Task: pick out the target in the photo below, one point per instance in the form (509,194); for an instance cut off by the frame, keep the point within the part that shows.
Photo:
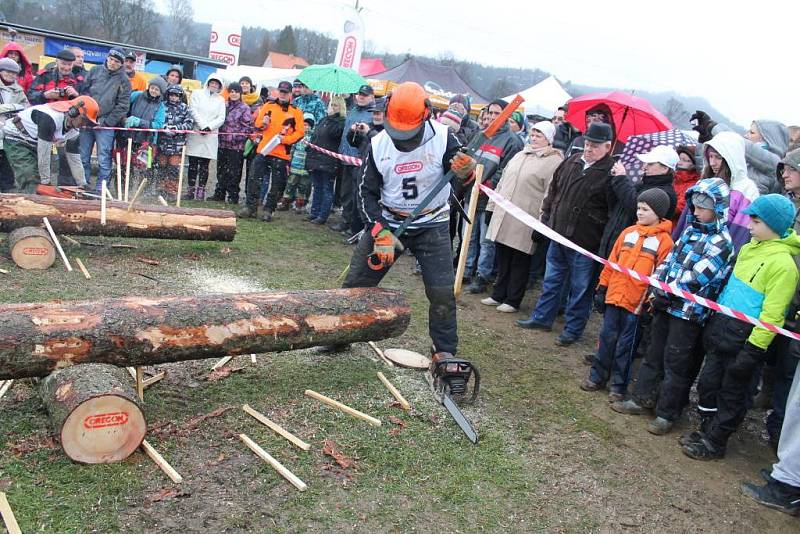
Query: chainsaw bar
(444,399)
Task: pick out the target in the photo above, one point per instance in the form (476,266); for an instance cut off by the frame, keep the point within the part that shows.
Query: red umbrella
(631,115)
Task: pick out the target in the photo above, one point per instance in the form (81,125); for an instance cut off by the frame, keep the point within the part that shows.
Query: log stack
(37,339)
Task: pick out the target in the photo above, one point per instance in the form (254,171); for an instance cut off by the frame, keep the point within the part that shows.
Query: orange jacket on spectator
(138,82)
(641,248)
(280,116)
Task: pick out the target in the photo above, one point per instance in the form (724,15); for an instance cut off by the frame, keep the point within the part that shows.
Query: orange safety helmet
(85,105)
(407,109)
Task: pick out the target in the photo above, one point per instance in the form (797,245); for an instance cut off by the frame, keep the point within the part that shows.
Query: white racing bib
(408,177)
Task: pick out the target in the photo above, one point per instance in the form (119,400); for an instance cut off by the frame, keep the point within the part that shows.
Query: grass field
(550,459)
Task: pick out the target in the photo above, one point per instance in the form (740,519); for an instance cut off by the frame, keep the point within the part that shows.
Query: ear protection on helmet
(75,111)
(428,106)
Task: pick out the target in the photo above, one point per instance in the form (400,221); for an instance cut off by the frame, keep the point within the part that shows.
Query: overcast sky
(741,59)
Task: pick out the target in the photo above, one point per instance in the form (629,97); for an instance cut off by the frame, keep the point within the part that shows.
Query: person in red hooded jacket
(686,176)
(15,52)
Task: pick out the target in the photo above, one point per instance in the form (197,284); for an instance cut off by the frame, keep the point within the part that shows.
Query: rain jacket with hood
(238,118)
(763,283)
(208,111)
(176,117)
(700,260)
(25,76)
(641,248)
(12,100)
(151,113)
(313,104)
(763,158)
(743,190)
(112,91)
(280,116)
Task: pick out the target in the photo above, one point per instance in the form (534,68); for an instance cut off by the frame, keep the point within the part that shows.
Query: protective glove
(703,125)
(462,165)
(600,299)
(747,361)
(383,247)
(132,122)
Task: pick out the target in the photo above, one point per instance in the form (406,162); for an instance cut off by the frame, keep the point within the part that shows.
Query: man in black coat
(577,205)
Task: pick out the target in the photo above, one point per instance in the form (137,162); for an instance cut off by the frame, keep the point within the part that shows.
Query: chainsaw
(453,377)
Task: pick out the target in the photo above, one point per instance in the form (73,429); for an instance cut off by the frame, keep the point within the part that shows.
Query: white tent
(544,98)
(261,76)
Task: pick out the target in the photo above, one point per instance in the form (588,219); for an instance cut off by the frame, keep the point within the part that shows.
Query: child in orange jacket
(619,297)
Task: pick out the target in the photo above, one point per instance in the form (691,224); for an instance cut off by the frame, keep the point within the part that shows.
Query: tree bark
(36,339)
(82,217)
(94,411)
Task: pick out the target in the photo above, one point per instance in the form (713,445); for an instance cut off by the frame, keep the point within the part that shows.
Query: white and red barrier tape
(530,221)
(350,160)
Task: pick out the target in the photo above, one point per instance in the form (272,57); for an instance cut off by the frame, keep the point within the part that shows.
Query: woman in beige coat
(524,182)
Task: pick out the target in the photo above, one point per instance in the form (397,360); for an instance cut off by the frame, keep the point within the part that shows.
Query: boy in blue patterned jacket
(699,263)
(298,186)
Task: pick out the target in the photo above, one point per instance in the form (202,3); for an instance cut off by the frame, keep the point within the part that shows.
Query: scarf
(250,98)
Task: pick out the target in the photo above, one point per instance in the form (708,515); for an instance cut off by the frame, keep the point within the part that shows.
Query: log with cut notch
(36,339)
(82,217)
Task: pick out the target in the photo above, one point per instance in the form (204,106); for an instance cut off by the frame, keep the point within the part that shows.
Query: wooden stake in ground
(4,386)
(8,515)
(57,244)
(140,382)
(253,358)
(222,362)
(128,167)
(180,177)
(103,205)
(275,427)
(119,178)
(71,241)
(276,465)
(136,194)
(380,353)
(343,407)
(393,390)
(161,462)
(82,268)
(473,207)
(153,379)
(94,411)
(162,201)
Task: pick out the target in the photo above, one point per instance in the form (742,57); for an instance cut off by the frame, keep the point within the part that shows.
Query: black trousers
(198,171)
(723,396)
(229,174)
(7,182)
(268,173)
(513,270)
(665,376)
(787,354)
(431,248)
(347,194)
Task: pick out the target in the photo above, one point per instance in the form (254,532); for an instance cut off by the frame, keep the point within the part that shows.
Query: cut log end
(31,248)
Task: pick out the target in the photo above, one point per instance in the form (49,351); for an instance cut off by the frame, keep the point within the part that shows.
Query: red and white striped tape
(530,221)
(350,160)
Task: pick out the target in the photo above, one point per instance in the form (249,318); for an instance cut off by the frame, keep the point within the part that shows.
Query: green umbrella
(331,78)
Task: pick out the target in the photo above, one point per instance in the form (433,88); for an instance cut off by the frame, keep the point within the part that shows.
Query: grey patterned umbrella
(640,144)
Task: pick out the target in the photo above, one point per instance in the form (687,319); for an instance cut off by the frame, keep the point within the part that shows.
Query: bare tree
(676,113)
(181,18)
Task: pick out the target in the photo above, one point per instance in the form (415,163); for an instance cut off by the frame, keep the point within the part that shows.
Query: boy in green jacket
(762,285)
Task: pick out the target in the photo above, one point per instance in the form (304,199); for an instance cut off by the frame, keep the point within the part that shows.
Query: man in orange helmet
(403,164)
(31,134)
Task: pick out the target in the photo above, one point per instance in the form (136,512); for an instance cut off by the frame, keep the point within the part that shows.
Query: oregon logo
(35,251)
(405,168)
(348,51)
(105,420)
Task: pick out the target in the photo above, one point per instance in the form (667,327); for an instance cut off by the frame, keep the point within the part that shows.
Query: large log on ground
(36,339)
(82,217)
(95,412)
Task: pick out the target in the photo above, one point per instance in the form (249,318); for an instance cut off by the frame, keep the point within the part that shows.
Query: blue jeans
(481,250)
(322,198)
(566,267)
(612,364)
(105,144)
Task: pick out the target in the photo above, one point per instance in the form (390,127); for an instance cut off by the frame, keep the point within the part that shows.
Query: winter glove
(132,122)
(703,125)
(462,165)
(383,247)
(747,361)
(600,299)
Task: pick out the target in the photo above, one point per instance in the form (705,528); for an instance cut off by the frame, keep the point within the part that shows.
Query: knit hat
(464,100)
(775,210)
(792,159)
(519,119)
(9,64)
(247,79)
(657,199)
(117,54)
(309,117)
(159,82)
(453,114)
(547,129)
(235,87)
(176,68)
(499,102)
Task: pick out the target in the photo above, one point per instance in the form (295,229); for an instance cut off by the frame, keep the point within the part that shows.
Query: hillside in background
(138,23)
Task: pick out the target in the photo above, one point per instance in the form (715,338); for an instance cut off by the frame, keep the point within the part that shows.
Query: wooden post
(161,462)
(343,407)
(103,207)
(393,390)
(180,177)
(57,244)
(8,515)
(275,464)
(162,201)
(275,427)
(128,167)
(222,362)
(119,178)
(136,194)
(139,382)
(473,207)
(82,268)
(4,386)
(153,379)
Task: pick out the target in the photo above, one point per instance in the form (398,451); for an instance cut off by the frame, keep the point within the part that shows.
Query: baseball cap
(366,90)
(66,55)
(662,154)
(285,87)
(130,55)
(298,83)
(378,105)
